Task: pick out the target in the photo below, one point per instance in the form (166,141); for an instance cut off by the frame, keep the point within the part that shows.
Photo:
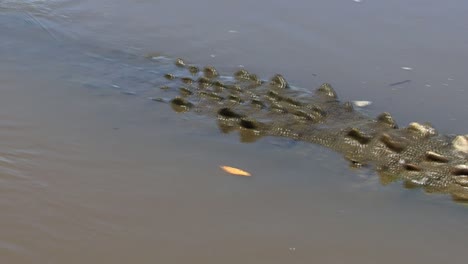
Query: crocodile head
(439,166)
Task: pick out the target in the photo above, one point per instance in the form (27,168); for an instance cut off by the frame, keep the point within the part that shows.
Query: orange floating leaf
(235,171)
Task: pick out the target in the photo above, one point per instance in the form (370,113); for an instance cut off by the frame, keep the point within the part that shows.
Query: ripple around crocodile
(416,154)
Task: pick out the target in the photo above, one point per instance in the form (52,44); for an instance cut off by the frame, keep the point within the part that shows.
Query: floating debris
(235,171)
(400,83)
(407,68)
(362,103)
(233,31)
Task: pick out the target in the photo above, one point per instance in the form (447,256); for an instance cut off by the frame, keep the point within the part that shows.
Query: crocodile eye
(411,167)
(436,157)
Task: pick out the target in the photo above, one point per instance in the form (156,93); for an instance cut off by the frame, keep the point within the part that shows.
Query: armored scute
(416,154)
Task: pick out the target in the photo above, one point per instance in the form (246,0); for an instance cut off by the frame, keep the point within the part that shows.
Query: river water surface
(91,171)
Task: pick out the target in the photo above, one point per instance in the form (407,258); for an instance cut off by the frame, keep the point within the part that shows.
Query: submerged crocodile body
(416,154)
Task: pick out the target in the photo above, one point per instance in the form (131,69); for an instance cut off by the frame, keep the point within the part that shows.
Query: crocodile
(416,154)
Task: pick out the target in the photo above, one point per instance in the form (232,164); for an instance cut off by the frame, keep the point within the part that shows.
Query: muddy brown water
(91,171)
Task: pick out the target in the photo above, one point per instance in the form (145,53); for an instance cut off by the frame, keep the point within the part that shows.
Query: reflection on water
(93,171)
